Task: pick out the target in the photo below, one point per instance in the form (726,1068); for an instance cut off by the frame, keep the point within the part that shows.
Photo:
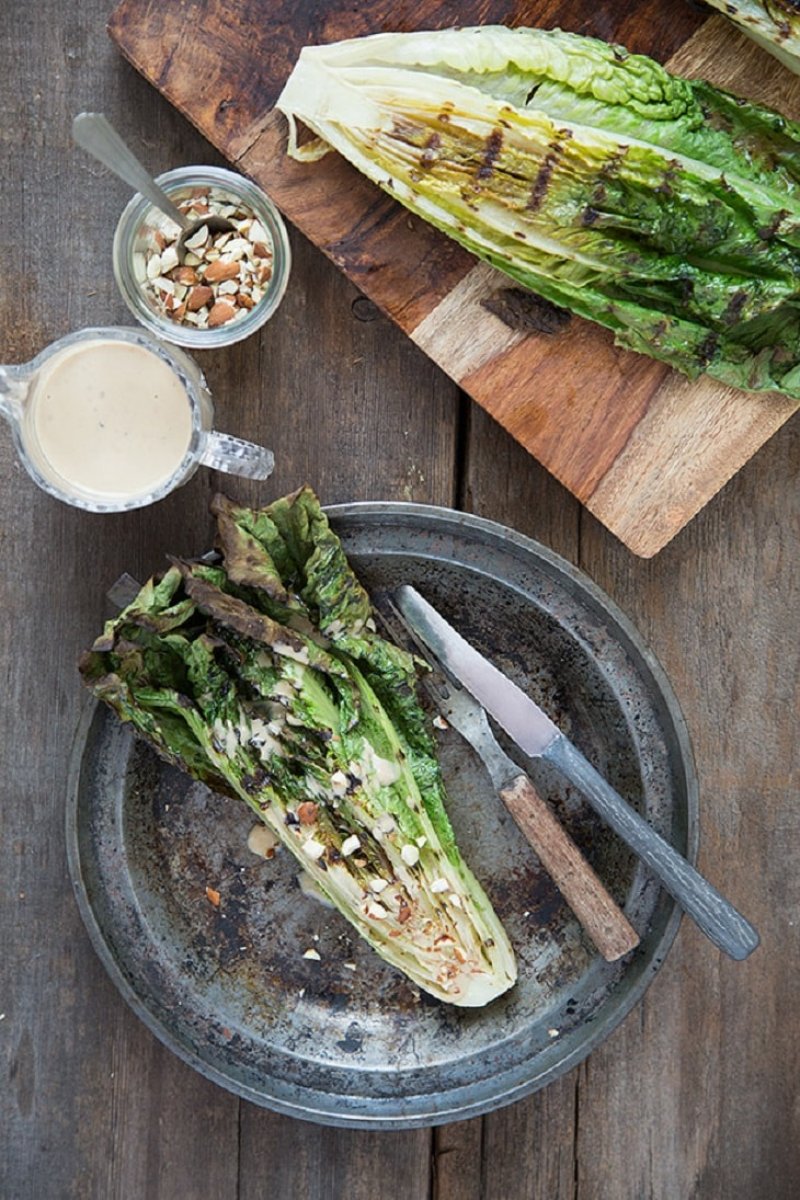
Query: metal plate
(228,989)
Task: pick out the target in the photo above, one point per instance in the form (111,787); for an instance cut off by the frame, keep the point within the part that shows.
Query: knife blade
(539,737)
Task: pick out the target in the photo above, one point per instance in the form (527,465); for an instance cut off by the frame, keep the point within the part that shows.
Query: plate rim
(603,1025)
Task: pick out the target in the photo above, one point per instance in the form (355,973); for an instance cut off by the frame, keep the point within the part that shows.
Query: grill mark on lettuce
(494,144)
(541,183)
(672,172)
(734,310)
(707,349)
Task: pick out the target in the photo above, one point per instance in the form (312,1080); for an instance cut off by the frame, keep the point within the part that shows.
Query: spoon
(95,133)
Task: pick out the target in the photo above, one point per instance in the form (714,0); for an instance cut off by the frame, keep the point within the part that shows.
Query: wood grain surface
(695,1096)
(643,448)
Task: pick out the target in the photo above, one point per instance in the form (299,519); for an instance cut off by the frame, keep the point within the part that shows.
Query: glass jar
(134,237)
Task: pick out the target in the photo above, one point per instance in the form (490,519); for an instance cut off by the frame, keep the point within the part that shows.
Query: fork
(599,914)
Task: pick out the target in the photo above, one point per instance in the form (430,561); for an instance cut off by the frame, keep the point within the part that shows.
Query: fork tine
(395,625)
(436,682)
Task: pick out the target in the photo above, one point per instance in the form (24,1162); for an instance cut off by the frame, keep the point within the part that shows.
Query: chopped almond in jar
(220,270)
(199,297)
(227,271)
(220,312)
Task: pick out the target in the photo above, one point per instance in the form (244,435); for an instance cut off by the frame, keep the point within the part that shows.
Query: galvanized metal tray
(346,1040)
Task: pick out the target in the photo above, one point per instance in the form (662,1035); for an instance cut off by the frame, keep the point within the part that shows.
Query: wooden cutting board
(643,448)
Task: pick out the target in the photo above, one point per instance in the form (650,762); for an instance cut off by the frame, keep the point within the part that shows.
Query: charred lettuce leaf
(773,24)
(265,677)
(662,208)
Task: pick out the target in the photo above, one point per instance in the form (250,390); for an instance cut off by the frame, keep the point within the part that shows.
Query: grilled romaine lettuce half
(264,677)
(774,24)
(664,209)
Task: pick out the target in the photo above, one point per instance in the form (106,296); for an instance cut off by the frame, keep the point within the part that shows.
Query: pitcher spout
(13,390)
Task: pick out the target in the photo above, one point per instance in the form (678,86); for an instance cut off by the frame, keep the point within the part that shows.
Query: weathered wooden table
(696,1094)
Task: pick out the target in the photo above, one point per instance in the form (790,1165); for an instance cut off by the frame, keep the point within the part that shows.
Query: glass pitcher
(113,419)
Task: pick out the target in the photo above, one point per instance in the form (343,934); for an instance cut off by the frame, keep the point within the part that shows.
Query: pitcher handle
(237,457)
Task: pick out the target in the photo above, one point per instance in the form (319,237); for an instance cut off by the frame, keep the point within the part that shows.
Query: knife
(533,731)
(598,913)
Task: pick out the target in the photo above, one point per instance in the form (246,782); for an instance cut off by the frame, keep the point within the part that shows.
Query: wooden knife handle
(601,917)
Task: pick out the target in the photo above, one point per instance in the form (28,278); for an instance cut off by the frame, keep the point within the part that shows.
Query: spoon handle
(95,133)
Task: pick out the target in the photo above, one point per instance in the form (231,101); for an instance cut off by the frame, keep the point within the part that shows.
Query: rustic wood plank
(95,1107)
(457,1153)
(501,482)
(299,1160)
(529,1149)
(704,1076)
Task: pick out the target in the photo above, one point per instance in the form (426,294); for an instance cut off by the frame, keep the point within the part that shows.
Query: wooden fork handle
(598,913)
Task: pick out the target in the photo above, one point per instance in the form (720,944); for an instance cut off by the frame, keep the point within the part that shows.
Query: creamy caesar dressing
(264,740)
(109,418)
(381,771)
